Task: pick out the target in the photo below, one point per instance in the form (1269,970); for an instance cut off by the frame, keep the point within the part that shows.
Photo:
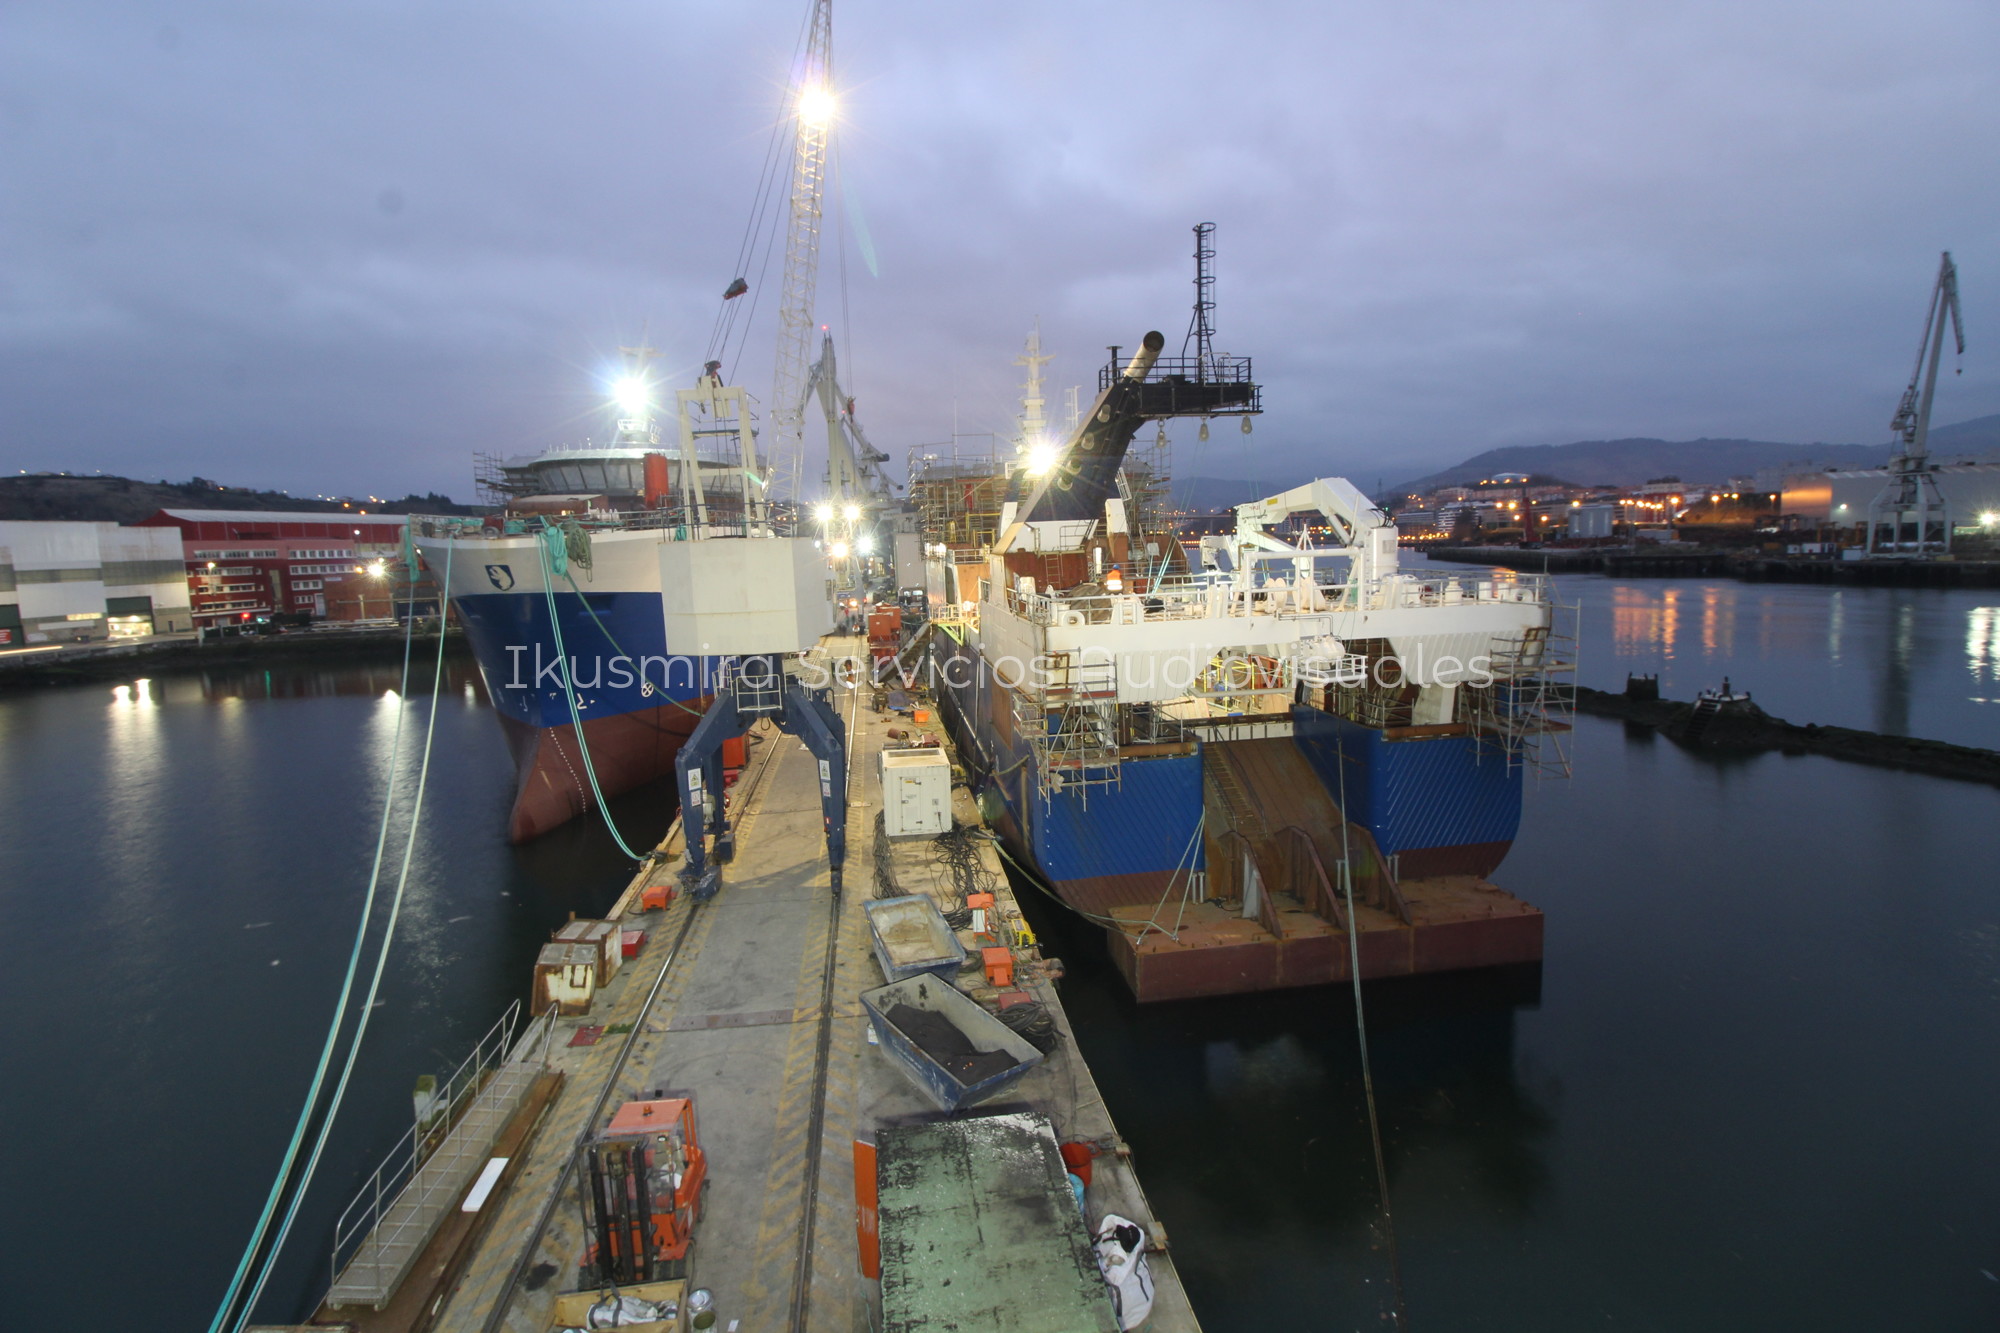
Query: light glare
(1042,456)
(633,395)
(816,105)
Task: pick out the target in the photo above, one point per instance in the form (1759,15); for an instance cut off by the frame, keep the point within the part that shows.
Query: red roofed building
(245,566)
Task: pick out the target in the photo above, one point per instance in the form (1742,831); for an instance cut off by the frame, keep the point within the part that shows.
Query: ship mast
(812,107)
(1034,416)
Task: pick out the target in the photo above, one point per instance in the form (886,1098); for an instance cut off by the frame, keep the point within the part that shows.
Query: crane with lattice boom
(813,106)
(1909,517)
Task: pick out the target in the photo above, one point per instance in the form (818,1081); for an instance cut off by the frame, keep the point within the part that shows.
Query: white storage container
(916,792)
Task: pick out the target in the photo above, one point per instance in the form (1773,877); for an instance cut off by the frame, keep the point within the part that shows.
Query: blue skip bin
(912,939)
(952,1049)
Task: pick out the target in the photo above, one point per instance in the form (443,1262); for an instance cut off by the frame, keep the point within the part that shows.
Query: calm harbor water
(1751,1087)
(183,867)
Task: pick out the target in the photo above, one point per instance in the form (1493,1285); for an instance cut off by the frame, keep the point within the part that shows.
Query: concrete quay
(750,1004)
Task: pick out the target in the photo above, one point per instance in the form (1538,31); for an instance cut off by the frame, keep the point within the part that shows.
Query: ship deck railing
(1210,598)
(427,1173)
(679,523)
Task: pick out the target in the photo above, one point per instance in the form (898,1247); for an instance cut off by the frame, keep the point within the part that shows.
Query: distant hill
(101,499)
(1977,436)
(1697,462)
(1632,462)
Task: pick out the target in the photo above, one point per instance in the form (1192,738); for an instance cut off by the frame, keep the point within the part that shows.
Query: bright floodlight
(1042,456)
(851,513)
(816,105)
(1988,519)
(824,513)
(632,395)
(838,550)
(378,568)
(866,542)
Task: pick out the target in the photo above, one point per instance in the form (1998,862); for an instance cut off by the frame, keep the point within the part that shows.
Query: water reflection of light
(1635,622)
(1718,621)
(1982,642)
(134,777)
(381,744)
(471,695)
(1836,625)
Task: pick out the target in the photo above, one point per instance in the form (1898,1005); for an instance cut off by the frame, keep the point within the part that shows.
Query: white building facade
(82,582)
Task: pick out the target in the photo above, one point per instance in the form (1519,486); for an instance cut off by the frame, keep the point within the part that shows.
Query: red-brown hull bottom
(627,751)
(1457,923)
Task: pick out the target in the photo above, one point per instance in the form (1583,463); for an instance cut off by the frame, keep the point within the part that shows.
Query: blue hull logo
(501,577)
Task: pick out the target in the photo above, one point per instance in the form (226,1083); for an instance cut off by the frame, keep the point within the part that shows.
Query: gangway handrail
(403,1161)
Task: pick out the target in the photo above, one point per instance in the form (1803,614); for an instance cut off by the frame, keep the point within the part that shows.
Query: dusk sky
(344,247)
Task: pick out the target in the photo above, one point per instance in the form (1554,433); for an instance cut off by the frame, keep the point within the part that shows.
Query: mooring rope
(263,1227)
(555,536)
(381,956)
(1361,1034)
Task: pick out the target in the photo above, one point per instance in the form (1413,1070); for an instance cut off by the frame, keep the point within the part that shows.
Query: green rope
(262,1229)
(605,630)
(381,957)
(548,546)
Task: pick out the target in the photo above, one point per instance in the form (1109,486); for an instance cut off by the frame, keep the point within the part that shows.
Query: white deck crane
(1909,517)
(813,107)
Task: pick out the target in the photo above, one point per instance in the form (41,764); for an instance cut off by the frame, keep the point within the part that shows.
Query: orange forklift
(644,1174)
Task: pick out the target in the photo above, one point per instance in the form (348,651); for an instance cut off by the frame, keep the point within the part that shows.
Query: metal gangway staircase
(1069,717)
(426,1176)
(1528,710)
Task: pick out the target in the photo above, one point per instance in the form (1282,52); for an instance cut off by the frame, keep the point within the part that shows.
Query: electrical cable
(262,1229)
(375,981)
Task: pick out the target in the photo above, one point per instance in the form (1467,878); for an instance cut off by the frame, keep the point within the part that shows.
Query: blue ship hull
(1437,804)
(636,700)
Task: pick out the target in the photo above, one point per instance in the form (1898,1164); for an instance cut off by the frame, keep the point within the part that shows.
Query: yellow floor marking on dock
(837,1300)
(766,1302)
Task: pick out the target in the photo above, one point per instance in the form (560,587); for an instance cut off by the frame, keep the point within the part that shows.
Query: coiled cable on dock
(1033,1023)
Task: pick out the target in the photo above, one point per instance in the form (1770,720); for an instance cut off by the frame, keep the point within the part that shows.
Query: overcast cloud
(344,247)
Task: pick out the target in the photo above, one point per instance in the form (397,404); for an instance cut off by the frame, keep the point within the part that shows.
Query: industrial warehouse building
(80,582)
(1841,497)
